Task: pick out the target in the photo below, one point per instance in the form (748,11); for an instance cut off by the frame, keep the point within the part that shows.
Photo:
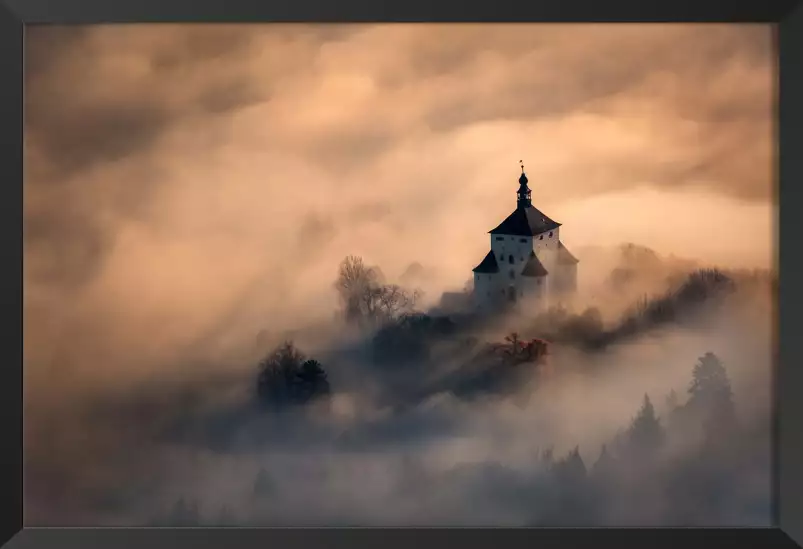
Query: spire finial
(522,165)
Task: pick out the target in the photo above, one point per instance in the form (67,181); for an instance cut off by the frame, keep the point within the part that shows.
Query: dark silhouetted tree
(571,504)
(311,381)
(671,401)
(604,467)
(571,468)
(277,373)
(605,482)
(646,434)
(409,337)
(711,396)
(704,284)
(286,376)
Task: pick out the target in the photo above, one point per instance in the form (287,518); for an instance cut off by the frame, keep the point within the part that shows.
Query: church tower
(527,261)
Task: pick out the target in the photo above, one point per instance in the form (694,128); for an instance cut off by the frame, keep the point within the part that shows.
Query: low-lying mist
(438,430)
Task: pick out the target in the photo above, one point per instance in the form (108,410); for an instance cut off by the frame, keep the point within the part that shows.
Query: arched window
(510,259)
(550,234)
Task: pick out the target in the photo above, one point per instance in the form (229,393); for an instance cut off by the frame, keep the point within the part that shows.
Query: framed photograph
(350,274)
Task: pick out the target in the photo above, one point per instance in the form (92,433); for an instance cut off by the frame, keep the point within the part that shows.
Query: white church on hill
(527,260)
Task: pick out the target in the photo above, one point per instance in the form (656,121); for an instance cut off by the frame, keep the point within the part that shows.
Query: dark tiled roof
(565,257)
(487,265)
(528,221)
(534,267)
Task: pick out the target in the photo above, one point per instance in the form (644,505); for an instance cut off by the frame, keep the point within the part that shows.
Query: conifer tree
(603,467)
(671,401)
(646,434)
(711,396)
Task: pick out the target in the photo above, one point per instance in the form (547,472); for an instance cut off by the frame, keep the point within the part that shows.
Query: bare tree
(366,300)
(354,281)
(394,301)
(354,276)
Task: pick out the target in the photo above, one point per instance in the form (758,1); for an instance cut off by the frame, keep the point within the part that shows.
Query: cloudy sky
(182,176)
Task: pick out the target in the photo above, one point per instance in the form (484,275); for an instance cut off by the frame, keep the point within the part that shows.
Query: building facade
(527,260)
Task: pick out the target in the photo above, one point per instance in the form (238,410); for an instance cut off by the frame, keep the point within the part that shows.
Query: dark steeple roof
(523,194)
(565,257)
(487,265)
(534,267)
(528,221)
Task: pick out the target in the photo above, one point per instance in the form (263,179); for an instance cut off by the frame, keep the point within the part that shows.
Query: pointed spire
(523,194)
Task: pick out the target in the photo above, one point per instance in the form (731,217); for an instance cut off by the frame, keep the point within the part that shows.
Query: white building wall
(482,286)
(512,253)
(488,288)
(546,241)
(507,247)
(478,294)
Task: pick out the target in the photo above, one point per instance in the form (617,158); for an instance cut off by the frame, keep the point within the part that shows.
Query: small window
(510,259)
(550,234)
(523,240)
(541,237)
(500,238)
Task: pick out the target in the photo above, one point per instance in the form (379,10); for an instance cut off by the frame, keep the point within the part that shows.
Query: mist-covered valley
(651,406)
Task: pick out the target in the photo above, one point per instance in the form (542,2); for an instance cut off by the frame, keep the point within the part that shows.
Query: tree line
(681,467)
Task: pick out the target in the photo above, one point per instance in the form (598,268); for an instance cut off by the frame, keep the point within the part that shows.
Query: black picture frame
(787,14)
